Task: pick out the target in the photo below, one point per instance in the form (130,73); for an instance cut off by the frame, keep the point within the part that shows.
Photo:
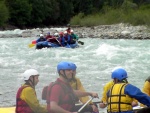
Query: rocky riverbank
(117,31)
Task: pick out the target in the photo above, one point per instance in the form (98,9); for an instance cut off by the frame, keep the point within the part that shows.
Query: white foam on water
(95,61)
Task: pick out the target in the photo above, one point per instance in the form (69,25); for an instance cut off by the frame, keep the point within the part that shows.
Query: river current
(95,60)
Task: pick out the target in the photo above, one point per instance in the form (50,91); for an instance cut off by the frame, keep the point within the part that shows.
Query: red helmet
(61,33)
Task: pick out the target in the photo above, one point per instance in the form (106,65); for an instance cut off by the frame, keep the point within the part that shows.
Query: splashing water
(95,60)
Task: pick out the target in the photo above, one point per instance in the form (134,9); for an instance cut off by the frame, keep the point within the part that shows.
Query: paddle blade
(34,42)
(80,42)
(31,45)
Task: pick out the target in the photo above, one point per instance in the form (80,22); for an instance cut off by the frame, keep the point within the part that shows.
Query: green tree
(87,6)
(38,12)
(20,12)
(52,12)
(4,13)
(114,3)
(66,11)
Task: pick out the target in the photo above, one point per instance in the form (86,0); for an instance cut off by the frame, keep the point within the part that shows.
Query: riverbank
(116,31)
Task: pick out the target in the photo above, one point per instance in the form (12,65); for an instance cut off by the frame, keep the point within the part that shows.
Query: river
(95,60)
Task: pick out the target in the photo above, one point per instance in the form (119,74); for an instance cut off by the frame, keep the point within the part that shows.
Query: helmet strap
(32,82)
(64,75)
(73,78)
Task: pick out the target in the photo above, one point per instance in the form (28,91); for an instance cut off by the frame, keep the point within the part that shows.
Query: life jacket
(48,36)
(68,93)
(67,38)
(118,101)
(21,105)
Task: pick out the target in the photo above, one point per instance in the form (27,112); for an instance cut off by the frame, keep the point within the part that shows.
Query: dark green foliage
(87,6)
(114,3)
(41,13)
(20,12)
(4,14)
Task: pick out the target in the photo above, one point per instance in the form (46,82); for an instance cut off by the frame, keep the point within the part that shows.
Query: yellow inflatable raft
(7,110)
(12,109)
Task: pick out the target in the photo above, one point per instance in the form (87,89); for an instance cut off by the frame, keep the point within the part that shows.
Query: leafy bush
(113,16)
(4,14)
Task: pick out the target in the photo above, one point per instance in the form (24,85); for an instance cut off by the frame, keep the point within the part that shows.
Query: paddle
(32,44)
(80,42)
(97,102)
(85,105)
(58,42)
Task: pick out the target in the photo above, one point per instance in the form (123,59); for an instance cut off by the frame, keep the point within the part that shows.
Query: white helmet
(65,32)
(29,72)
(56,34)
(41,35)
(71,31)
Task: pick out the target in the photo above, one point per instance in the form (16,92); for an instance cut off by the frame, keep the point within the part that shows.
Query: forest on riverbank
(43,13)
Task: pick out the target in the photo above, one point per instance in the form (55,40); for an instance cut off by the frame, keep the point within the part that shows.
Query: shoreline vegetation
(21,14)
(110,16)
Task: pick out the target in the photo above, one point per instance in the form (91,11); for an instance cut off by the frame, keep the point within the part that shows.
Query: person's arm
(56,108)
(29,95)
(76,37)
(146,88)
(83,93)
(81,88)
(134,103)
(136,93)
(106,88)
(38,40)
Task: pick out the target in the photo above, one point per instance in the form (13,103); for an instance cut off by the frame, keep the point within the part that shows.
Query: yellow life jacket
(146,89)
(118,101)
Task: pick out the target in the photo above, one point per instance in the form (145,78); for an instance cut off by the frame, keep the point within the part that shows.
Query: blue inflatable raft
(46,44)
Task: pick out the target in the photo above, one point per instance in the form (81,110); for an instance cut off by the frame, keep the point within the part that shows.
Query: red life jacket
(21,105)
(68,93)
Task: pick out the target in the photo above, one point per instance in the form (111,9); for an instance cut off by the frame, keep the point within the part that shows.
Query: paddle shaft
(85,105)
(97,102)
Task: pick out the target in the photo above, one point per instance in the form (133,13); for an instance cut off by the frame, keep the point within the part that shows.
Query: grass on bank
(113,16)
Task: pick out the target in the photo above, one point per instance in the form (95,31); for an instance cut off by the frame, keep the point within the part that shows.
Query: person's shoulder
(56,85)
(77,79)
(109,83)
(27,88)
(131,86)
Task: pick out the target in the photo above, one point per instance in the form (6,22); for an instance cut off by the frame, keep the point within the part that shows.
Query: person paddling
(146,88)
(26,99)
(121,94)
(76,84)
(41,39)
(61,98)
(74,36)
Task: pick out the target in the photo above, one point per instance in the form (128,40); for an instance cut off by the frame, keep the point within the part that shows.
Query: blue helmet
(74,66)
(119,74)
(64,65)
